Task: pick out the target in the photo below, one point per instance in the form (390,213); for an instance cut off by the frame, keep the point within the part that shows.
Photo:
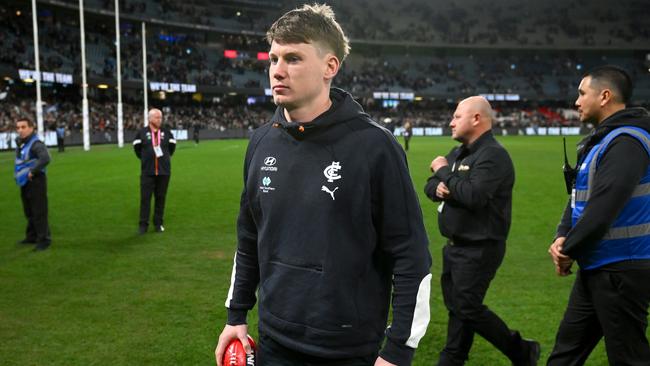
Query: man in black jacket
(196,128)
(329,227)
(605,228)
(31,159)
(474,185)
(154,145)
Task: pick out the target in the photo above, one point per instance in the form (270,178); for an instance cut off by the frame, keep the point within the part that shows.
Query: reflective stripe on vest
(640,190)
(629,235)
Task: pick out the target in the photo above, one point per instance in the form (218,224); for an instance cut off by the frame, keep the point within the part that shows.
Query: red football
(235,354)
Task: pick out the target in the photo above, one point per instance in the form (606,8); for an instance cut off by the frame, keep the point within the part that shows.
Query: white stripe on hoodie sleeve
(232,281)
(421,314)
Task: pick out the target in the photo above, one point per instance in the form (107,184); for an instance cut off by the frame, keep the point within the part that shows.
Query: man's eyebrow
(286,53)
(292,54)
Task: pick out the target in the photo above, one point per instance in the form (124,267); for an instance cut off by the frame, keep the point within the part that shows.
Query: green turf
(103,295)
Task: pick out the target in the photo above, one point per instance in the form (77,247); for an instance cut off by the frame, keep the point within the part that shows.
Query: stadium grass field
(103,295)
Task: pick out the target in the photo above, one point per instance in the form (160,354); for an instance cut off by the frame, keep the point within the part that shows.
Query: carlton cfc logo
(269,161)
(332,171)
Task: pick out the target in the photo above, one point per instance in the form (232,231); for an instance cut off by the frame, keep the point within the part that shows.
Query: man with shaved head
(606,228)
(473,184)
(154,145)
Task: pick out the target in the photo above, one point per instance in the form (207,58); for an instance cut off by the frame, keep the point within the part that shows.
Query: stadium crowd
(103,116)
(548,23)
(197,57)
(552,22)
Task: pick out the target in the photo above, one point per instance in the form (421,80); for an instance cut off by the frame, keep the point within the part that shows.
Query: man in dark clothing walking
(31,159)
(606,228)
(60,137)
(154,145)
(330,229)
(474,185)
(196,130)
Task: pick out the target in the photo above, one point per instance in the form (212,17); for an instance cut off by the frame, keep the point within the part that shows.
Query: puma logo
(325,189)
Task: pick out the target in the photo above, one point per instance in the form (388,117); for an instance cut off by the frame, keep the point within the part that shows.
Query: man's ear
(476,119)
(332,65)
(606,96)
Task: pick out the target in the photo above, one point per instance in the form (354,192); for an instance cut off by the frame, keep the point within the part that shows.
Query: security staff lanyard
(155,142)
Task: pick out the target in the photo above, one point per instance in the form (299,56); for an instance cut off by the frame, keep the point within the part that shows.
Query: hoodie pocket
(307,296)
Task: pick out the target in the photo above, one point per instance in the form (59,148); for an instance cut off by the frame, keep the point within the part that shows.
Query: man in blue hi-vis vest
(606,228)
(31,158)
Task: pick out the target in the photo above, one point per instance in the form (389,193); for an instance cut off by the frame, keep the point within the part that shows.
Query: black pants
(156,185)
(60,142)
(467,271)
(271,353)
(34,197)
(613,304)
(406,142)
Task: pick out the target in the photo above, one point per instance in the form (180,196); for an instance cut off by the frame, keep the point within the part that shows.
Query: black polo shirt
(480,178)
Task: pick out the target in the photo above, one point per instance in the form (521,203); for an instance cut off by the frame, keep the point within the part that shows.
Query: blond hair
(311,24)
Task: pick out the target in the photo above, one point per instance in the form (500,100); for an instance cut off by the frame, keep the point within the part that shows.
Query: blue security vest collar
(24,163)
(629,236)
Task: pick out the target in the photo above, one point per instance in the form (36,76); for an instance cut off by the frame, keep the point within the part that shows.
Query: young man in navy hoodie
(330,228)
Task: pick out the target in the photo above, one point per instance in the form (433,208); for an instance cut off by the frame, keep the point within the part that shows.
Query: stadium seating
(537,52)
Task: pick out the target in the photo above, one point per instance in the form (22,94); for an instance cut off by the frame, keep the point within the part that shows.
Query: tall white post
(84,83)
(37,64)
(144,75)
(120,123)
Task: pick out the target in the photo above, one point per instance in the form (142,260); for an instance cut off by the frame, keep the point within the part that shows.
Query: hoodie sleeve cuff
(397,354)
(236,317)
(443,173)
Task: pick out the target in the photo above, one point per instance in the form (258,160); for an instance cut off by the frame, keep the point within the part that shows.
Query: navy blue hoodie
(329,228)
